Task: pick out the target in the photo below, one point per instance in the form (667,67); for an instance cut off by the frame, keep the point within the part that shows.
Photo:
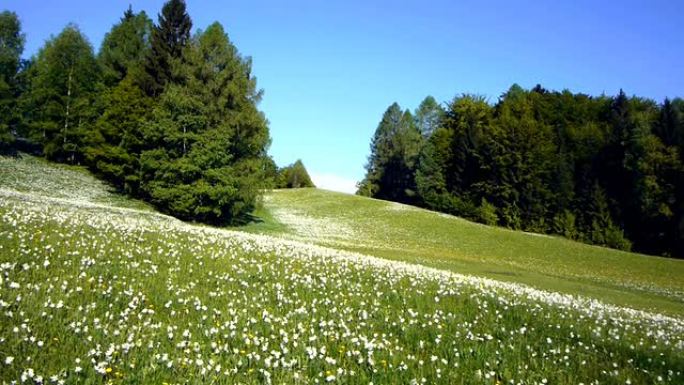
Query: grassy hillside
(94,289)
(405,233)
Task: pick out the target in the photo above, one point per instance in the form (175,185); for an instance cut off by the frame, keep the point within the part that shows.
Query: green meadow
(99,289)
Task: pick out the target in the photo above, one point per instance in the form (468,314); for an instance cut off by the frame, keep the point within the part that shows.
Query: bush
(564,223)
(487,213)
(611,236)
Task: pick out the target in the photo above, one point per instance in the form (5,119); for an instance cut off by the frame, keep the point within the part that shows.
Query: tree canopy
(603,170)
(60,102)
(161,114)
(293,176)
(11,48)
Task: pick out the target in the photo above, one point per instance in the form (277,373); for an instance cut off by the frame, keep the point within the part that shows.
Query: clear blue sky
(330,68)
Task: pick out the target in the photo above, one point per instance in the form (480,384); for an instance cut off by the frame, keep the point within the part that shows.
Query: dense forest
(602,170)
(162,114)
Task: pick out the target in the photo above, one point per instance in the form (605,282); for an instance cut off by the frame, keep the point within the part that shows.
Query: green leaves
(294,176)
(597,169)
(168,41)
(394,157)
(11,47)
(62,96)
(125,47)
(206,140)
(115,143)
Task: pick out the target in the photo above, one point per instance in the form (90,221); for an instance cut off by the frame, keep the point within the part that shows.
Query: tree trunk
(68,103)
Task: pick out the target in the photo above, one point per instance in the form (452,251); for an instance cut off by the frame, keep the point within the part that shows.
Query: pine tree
(11,47)
(517,163)
(390,171)
(468,118)
(295,176)
(381,146)
(125,47)
(115,143)
(604,231)
(207,139)
(60,103)
(168,41)
(432,169)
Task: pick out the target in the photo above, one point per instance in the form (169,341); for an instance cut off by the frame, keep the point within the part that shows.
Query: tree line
(159,112)
(602,170)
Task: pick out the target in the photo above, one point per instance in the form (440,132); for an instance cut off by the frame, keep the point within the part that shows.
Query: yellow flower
(108,370)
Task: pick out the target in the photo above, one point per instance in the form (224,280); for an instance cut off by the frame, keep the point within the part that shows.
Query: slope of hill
(94,289)
(395,231)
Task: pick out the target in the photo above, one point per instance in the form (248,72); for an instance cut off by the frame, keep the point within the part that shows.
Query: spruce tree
(295,176)
(517,160)
(125,47)
(207,139)
(115,143)
(168,40)
(390,171)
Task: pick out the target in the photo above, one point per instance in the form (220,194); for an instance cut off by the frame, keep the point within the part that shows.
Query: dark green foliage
(159,115)
(294,176)
(115,143)
(168,41)
(271,174)
(394,158)
(11,47)
(206,139)
(597,169)
(59,106)
(603,229)
(516,159)
(565,224)
(487,213)
(125,47)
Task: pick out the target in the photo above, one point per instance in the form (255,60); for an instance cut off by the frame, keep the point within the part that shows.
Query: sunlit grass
(91,293)
(400,232)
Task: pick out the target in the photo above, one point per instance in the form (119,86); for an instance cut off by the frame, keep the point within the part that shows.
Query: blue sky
(330,68)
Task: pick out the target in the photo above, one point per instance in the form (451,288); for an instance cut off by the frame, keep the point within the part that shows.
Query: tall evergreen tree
(11,47)
(207,138)
(449,164)
(125,47)
(115,143)
(607,170)
(390,171)
(168,40)
(670,125)
(468,118)
(59,105)
(380,148)
(432,170)
(295,176)
(517,163)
